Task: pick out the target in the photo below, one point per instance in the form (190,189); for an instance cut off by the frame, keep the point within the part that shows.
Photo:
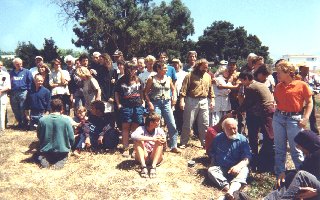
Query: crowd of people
(231,111)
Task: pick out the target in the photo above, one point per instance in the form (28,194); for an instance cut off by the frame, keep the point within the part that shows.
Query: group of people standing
(132,96)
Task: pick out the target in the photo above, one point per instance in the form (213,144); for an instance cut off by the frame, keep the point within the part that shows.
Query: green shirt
(55,133)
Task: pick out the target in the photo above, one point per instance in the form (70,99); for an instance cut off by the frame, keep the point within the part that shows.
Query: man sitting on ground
(56,137)
(230,155)
(148,144)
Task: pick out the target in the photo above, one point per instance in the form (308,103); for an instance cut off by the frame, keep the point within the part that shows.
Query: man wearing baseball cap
(39,63)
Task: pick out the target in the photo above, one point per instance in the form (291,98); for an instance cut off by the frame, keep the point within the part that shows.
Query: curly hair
(286,67)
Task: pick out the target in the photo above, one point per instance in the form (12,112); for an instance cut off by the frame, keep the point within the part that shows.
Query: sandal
(144,172)
(153,173)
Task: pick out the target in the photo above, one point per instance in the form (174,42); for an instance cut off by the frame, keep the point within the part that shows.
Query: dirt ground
(108,175)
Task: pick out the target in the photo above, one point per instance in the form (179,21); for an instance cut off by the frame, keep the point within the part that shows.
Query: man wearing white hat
(39,63)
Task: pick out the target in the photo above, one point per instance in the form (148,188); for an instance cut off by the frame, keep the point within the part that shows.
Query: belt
(289,113)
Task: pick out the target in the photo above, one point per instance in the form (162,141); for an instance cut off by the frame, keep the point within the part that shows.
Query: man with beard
(194,94)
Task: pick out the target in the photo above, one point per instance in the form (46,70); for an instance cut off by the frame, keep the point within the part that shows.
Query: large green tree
(50,50)
(27,52)
(135,27)
(222,41)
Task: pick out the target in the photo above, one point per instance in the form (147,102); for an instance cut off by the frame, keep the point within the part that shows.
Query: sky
(285,26)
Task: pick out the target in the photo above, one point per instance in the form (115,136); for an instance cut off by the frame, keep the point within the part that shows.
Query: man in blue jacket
(21,80)
(230,155)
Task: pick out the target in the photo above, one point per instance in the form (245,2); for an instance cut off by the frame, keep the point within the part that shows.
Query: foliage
(27,52)
(134,27)
(222,41)
(50,50)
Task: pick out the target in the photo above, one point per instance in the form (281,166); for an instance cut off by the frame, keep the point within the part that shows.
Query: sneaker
(183,146)
(43,162)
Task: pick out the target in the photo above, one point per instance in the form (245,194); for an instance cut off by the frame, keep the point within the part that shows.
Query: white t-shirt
(145,75)
(142,131)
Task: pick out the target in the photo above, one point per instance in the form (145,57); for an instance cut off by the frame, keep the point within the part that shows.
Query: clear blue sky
(285,26)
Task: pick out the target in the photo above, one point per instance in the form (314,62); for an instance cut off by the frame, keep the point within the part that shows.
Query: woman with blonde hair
(290,117)
(91,88)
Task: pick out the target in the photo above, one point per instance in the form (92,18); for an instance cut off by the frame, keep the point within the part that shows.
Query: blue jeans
(163,108)
(286,128)
(17,101)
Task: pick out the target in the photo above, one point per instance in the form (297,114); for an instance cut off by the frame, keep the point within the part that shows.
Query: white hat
(96,54)
(223,62)
(39,57)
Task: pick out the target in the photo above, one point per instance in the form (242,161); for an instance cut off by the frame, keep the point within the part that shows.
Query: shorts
(132,115)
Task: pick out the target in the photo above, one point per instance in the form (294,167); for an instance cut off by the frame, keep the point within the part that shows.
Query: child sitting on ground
(148,144)
(81,124)
(98,132)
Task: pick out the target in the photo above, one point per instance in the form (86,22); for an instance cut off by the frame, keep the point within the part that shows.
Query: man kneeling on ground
(148,144)
(56,137)
(230,155)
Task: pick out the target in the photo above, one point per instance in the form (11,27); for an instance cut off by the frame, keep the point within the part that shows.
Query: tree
(221,40)
(27,52)
(136,27)
(50,50)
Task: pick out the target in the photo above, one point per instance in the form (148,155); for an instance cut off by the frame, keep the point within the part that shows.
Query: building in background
(312,61)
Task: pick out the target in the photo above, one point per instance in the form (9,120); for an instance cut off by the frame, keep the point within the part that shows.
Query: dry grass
(108,176)
(104,175)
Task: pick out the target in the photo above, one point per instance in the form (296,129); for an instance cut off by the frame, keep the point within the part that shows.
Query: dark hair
(56,105)
(158,65)
(263,69)
(246,75)
(163,54)
(151,117)
(107,58)
(99,105)
(127,72)
(83,56)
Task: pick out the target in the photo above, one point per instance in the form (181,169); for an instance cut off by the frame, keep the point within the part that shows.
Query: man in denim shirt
(230,155)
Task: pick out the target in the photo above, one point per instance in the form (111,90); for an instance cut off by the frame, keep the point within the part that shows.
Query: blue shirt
(171,72)
(227,153)
(21,80)
(38,101)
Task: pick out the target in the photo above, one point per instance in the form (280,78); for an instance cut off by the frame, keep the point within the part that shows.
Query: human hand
(160,139)
(281,179)
(100,138)
(303,122)
(235,170)
(306,193)
(87,142)
(182,105)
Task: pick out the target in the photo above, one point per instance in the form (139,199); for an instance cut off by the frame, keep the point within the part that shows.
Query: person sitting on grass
(149,141)
(56,137)
(98,132)
(230,155)
(302,183)
(81,129)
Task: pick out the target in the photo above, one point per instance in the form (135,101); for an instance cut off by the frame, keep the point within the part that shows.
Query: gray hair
(16,60)
(229,121)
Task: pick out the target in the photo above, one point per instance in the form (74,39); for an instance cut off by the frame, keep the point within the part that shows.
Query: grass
(107,176)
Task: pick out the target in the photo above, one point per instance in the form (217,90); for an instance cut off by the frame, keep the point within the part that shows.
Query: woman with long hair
(129,99)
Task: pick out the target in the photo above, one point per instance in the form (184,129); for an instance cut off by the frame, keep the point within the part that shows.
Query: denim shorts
(134,114)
